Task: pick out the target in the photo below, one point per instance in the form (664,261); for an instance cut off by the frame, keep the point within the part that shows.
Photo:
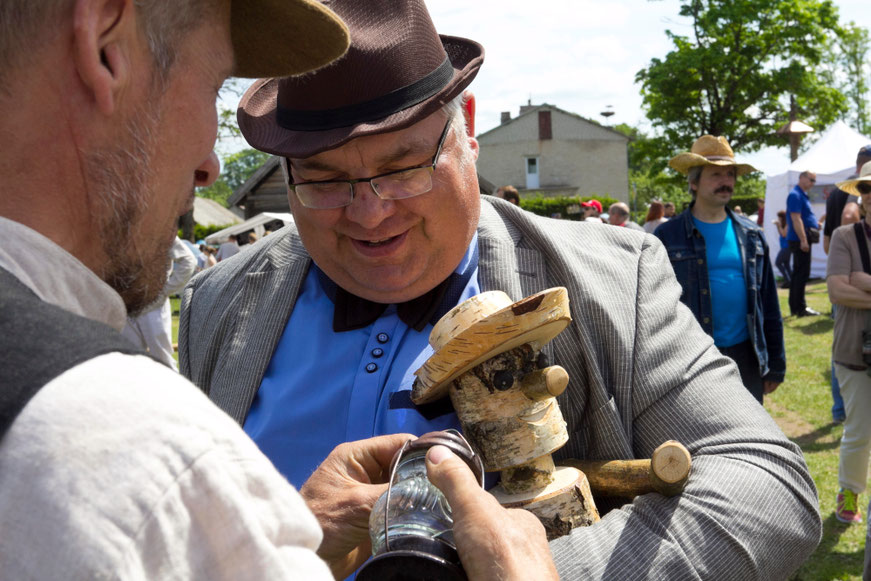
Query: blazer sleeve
(750,508)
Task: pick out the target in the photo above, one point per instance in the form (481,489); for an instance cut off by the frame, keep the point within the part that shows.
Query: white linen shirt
(120,468)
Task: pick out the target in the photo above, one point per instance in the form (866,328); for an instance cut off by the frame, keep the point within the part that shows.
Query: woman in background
(655,217)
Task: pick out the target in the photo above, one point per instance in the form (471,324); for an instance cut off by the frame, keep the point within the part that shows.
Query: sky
(579,55)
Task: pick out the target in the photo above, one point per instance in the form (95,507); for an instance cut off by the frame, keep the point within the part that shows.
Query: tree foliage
(734,73)
(235,169)
(850,72)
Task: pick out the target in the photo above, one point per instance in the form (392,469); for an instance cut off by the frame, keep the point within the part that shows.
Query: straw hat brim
(849,186)
(684,161)
(536,319)
(260,30)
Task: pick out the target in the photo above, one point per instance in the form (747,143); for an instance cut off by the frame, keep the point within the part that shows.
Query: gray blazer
(641,372)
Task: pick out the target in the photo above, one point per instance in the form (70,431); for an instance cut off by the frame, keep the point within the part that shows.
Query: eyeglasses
(394,185)
(864,187)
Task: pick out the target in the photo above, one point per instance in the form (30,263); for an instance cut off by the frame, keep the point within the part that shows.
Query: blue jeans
(838,413)
(782,264)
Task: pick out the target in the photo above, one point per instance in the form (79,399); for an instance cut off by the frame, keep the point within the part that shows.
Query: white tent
(833,159)
(256,223)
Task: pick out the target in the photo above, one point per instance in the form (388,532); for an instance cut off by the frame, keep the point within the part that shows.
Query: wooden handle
(666,472)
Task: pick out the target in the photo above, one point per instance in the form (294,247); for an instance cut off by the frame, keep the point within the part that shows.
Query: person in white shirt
(152,330)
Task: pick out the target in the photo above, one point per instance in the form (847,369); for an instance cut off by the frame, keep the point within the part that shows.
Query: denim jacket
(686,250)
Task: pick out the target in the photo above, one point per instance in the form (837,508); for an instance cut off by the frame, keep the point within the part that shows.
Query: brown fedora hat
(709,150)
(397,71)
(258,29)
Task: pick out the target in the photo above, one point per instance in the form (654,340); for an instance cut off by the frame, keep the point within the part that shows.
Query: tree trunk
(186,224)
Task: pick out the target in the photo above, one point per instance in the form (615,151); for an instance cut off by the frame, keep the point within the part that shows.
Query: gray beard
(120,178)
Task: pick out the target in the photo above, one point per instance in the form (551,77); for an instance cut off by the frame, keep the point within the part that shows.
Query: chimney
(506,117)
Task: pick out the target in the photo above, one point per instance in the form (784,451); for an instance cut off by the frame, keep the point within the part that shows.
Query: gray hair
(26,24)
(693,176)
(454,111)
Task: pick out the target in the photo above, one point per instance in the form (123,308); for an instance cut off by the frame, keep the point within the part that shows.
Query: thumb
(453,477)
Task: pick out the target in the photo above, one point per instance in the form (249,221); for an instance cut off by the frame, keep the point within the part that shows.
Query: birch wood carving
(563,505)
(666,472)
(487,358)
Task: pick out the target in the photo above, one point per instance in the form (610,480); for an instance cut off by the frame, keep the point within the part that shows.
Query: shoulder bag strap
(859,230)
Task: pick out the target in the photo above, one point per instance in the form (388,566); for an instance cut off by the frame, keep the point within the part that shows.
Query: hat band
(398,100)
(719,158)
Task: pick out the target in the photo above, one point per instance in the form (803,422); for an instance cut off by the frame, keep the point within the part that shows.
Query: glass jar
(411,525)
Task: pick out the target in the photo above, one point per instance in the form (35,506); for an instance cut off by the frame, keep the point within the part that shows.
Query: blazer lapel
(505,264)
(266,301)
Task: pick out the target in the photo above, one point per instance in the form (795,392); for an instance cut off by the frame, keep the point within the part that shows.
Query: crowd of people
(263,458)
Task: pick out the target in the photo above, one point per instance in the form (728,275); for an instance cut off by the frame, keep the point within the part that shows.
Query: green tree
(851,61)
(235,169)
(734,73)
(648,179)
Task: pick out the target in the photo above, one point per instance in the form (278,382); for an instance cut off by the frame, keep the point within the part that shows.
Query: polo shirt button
(382,337)
(700,261)
(706,320)
(704,291)
(371,368)
(377,352)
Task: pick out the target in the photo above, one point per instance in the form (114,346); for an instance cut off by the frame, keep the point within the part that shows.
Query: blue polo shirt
(323,388)
(798,202)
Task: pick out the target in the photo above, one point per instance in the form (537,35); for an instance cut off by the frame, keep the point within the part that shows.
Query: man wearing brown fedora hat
(313,337)
(720,258)
(112,465)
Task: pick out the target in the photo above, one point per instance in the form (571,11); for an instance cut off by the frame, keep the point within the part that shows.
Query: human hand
(860,280)
(805,247)
(341,494)
(769,386)
(493,542)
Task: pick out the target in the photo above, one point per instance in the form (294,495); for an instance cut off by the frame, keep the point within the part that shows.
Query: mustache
(724,190)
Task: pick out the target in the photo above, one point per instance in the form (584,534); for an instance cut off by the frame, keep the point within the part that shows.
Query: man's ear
(102,45)
(469,112)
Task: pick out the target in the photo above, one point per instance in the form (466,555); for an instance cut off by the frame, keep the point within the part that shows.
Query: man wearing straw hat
(848,277)
(313,337)
(721,260)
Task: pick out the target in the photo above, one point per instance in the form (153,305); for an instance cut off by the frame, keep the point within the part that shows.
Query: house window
(544,127)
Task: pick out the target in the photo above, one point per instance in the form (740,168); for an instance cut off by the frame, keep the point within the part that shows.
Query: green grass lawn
(802,408)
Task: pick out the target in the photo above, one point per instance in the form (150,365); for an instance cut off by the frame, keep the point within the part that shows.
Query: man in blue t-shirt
(721,261)
(798,231)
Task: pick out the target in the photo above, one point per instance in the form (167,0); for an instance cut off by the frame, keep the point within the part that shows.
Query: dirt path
(792,424)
